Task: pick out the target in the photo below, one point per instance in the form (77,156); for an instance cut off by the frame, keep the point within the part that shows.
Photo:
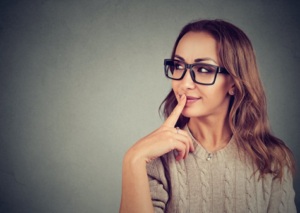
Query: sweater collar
(228,151)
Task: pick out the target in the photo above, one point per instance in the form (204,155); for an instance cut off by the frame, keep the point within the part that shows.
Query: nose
(187,81)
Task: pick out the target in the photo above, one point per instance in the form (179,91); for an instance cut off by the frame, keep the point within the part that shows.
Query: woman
(215,151)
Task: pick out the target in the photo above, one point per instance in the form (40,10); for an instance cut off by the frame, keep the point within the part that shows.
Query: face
(202,100)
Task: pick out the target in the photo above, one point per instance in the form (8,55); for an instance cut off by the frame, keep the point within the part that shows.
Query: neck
(211,132)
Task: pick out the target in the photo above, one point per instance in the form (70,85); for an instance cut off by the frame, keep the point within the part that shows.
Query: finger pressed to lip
(172,119)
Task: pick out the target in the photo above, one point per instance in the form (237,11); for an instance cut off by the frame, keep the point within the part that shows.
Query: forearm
(136,195)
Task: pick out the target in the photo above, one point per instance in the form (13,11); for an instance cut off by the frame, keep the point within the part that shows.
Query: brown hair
(248,107)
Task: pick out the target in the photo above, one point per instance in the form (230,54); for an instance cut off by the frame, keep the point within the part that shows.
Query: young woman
(215,151)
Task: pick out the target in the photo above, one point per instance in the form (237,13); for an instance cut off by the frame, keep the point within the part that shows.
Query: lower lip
(189,102)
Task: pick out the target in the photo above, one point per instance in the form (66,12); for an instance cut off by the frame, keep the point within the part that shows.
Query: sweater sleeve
(158,185)
(282,194)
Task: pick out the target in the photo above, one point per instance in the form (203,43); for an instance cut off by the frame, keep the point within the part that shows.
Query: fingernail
(182,96)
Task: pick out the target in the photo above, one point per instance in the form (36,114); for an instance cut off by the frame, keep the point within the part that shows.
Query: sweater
(222,184)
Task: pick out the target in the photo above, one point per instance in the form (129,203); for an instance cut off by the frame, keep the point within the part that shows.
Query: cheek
(222,86)
(175,86)
(213,93)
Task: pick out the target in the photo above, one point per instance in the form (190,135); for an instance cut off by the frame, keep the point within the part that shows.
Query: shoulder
(283,162)
(282,197)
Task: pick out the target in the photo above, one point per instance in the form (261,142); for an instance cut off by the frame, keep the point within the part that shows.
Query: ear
(231,90)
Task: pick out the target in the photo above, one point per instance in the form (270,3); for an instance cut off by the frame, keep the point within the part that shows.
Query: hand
(164,139)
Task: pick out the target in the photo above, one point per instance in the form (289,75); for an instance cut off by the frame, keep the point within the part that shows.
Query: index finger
(173,118)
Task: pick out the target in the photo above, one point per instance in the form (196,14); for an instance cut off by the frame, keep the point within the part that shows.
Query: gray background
(81,82)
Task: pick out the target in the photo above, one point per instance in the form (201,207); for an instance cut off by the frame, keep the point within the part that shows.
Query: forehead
(195,45)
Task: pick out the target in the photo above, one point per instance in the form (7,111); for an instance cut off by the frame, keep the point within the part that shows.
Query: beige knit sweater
(222,184)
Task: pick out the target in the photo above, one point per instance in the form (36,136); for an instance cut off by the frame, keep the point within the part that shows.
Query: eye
(204,69)
(178,66)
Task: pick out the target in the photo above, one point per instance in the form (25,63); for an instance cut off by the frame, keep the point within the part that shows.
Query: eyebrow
(197,59)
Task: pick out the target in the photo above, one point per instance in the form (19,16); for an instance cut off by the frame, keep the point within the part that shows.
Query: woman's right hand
(163,140)
(136,195)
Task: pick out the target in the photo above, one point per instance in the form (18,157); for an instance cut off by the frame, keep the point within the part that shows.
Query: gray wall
(81,81)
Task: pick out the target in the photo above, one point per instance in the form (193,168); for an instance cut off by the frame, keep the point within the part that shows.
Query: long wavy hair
(248,118)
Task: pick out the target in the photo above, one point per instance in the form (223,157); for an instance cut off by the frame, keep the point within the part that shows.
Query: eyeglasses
(204,74)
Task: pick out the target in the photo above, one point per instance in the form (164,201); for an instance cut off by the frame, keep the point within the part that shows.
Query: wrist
(134,158)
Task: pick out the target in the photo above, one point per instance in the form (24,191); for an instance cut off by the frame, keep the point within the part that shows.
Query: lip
(190,99)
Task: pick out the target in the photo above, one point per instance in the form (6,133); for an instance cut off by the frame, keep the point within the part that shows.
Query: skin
(208,120)
(209,115)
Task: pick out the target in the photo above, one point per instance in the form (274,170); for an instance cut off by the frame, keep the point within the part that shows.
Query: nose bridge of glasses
(189,66)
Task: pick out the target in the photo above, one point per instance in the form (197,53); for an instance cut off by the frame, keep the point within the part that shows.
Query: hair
(248,118)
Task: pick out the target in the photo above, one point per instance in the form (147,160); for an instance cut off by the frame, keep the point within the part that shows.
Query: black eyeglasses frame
(190,66)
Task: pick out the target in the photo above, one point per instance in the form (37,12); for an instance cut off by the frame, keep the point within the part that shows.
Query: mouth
(190,99)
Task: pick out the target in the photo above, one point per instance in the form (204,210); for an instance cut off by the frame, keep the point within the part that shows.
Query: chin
(189,113)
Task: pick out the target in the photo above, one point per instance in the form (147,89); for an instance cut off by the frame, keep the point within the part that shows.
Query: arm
(136,195)
(135,188)
(158,183)
(282,194)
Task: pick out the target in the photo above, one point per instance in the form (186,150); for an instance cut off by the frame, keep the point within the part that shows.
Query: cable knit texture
(224,184)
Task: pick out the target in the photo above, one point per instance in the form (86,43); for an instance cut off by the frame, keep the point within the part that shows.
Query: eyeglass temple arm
(222,70)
